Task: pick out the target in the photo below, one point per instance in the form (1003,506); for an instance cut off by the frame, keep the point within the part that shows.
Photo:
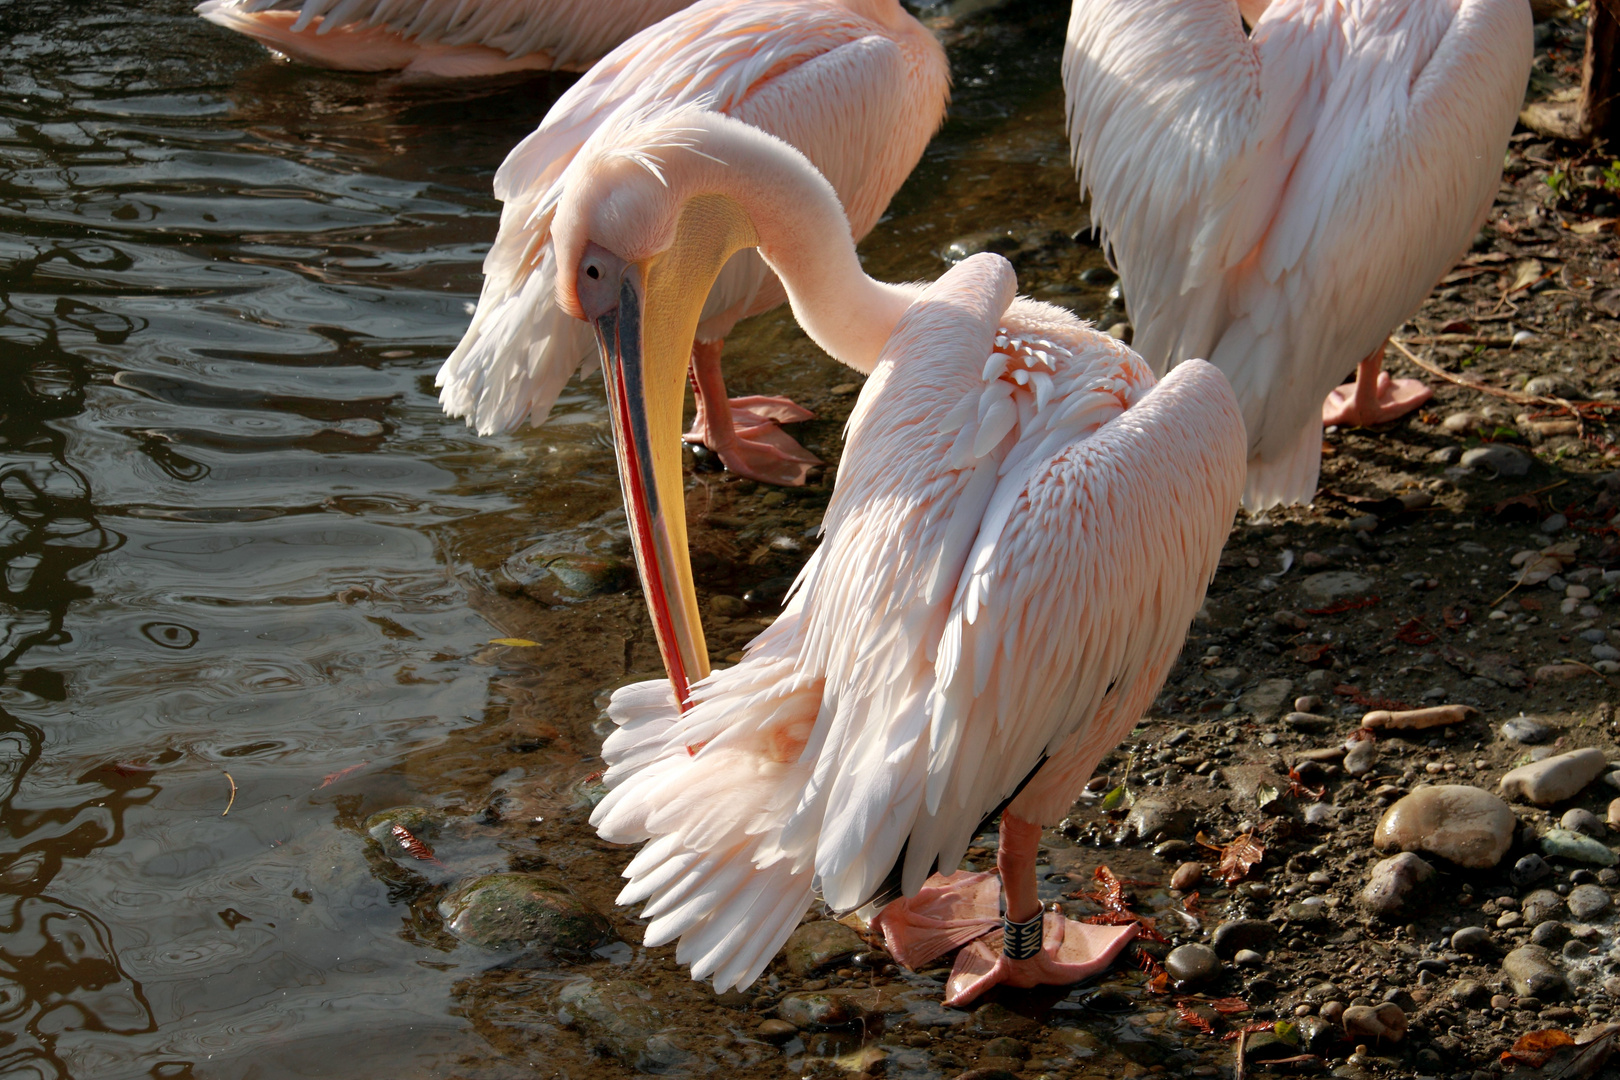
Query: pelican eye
(592,271)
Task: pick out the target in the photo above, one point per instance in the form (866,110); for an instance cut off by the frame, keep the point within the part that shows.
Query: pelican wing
(572,32)
(1399,172)
(794,68)
(1278,204)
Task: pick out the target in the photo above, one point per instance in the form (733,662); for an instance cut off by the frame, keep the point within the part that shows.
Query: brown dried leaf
(1536,1048)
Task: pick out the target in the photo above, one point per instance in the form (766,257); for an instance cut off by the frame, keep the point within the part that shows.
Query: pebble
(1605,652)
(1229,937)
(1592,635)
(1533,973)
(1332,585)
(1268,699)
(1464,824)
(1319,814)
(1587,902)
(1332,1011)
(515,911)
(1614,812)
(1579,820)
(1360,757)
(1382,1023)
(1563,844)
(1395,883)
(1528,870)
(816,945)
(1499,458)
(820,1009)
(1470,993)
(1541,905)
(1556,778)
(1522,729)
(1187,876)
(1192,963)
(1554,524)
(1227,678)
(1473,941)
(1248,958)
(776,1031)
(1150,818)
(1549,934)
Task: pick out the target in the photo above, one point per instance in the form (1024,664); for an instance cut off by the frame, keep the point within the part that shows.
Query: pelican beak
(645,405)
(645,330)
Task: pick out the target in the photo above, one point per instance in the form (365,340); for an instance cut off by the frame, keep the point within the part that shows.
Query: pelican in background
(440,39)
(859,86)
(1022,529)
(1278,203)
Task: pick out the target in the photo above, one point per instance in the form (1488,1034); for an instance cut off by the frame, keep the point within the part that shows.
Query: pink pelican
(858,85)
(1278,203)
(1022,528)
(440,39)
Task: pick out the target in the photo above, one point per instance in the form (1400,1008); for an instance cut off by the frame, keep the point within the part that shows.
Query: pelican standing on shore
(1279,202)
(859,86)
(440,39)
(1022,529)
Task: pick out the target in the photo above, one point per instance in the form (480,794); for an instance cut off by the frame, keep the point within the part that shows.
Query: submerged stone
(523,911)
(818,944)
(618,1018)
(820,1009)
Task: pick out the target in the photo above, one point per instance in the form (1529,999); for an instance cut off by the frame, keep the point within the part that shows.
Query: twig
(1239,1069)
(1509,395)
(233,796)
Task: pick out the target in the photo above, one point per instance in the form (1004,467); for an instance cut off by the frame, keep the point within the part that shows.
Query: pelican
(858,85)
(440,39)
(1022,528)
(1278,203)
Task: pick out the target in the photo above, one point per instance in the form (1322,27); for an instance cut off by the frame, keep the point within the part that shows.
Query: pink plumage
(1022,528)
(858,86)
(1278,203)
(441,39)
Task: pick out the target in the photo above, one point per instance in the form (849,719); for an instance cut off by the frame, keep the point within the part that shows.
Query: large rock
(1564,844)
(1395,884)
(1156,819)
(1587,902)
(1269,699)
(517,911)
(1192,963)
(1531,970)
(1554,779)
(1373,1024)
(1331,585)
(1463,824)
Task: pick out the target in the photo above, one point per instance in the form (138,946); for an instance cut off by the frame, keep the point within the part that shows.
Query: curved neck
(803,236)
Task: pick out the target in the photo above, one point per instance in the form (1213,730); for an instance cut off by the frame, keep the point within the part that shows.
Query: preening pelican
(1022,528)
(858,86)
(1278,203)
(440,39)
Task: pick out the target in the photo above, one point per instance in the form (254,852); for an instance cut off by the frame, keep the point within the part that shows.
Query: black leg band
(1022,940)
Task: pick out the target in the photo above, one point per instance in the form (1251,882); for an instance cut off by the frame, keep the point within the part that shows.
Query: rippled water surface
(242,549)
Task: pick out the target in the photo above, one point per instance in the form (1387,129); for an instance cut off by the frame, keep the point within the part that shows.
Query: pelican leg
(743,431)
(1375,398)
(1069,951)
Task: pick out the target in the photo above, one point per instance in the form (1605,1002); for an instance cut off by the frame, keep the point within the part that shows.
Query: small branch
(1240,1068)
(233,796)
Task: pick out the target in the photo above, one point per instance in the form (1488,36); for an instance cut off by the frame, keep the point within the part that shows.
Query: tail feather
(1290,478)
(710,790)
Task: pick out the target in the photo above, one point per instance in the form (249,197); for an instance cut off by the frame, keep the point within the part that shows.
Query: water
(251,570)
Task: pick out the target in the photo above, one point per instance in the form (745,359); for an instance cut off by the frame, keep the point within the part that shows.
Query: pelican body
(440,39)
(1022,528)
(1278,203)
(858,86)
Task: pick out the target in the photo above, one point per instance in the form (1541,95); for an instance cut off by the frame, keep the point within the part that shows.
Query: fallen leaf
(1265,795)
(1525,274)
(332,778)
(1592,225)
(1237,857)
(1455,617)
(1608,302)
(517,642)
(1312,654)
(1536,1048)
(1115,799)
(1413,632)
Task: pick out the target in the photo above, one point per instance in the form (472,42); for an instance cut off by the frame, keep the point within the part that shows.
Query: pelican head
(640,238)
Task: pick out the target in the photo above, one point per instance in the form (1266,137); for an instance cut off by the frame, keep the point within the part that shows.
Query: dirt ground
(1405,584)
